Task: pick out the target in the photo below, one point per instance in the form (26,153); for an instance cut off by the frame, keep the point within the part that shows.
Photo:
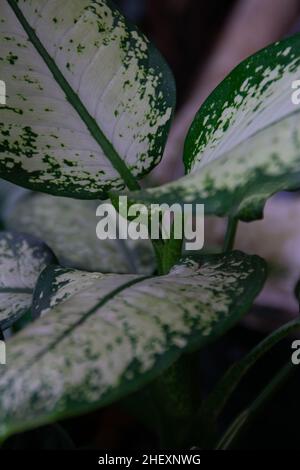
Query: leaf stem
(175,394)
(167,253)
(243,418)
(174,391)
(230,233)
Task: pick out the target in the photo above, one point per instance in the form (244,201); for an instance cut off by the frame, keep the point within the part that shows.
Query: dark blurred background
(185,32)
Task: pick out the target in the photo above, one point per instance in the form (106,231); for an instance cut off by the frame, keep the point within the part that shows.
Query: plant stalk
(243,419)
(230,234)
(176,394)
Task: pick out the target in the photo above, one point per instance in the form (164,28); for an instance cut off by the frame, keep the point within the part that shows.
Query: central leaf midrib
(16,290)
(85,317)
(72,97)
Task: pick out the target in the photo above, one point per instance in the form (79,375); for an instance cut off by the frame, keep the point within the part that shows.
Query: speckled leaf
(89,99)
(22,258)
(244,144)
(68,226)
(105,336)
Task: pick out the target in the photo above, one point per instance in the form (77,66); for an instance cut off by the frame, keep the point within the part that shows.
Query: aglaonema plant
(89,106)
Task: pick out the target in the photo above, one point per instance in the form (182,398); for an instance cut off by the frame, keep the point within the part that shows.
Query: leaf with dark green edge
(89,98)
(22,259)
(244,143)
(68,226)
(101,337)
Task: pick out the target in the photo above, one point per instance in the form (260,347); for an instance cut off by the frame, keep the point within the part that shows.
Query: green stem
(176,394)
(243,419)
(168,251)
(230,233)
(167,254)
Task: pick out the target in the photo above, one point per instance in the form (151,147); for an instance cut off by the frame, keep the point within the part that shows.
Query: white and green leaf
(105,336)
(244,143)
(89,99)
(68,227)
(22,259)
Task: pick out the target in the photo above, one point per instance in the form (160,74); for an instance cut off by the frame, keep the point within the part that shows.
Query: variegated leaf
(22,258)
(68,226)
(89,99)
(105,336)
(244,144)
